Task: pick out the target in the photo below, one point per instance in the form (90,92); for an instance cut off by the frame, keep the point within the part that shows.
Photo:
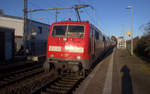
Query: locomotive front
(68,46)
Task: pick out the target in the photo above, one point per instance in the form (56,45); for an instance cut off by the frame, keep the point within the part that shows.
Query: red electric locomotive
(74,46)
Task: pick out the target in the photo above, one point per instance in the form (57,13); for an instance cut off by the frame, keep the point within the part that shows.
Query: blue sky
(111,16)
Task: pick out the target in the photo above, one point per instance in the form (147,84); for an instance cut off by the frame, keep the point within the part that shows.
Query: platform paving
(119,73)
(95,82)
(131,75)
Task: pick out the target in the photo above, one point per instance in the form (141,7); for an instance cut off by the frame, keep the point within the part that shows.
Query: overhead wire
(91,16)
(97,21)
(66,15)
(88,15)
(39,7)
(84,2)
(56,3)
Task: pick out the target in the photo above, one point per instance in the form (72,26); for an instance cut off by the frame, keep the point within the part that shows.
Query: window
(100,36)
(73,30)
(76,29)
(104,38)
(97,35)
(40,29)
(59,30)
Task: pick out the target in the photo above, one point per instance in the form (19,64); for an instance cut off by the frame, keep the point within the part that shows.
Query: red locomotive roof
(72,22)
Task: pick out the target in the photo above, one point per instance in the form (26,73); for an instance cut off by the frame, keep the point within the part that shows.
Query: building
(6,44)
(37,33)
(121,43)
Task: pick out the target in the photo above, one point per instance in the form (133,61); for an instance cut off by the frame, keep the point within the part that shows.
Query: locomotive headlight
(69,47)
(74,49)
(65,39)
(78,57)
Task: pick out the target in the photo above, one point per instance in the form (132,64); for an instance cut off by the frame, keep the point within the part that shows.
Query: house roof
(20,18)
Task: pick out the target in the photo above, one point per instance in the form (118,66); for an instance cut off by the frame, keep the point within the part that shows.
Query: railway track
(12,77)
(65,84)
(45,83)
(33,80)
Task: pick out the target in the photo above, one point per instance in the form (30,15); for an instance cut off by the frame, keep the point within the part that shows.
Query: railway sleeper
(18,72)
(12,80)
(52,91)
(69,80)
(6,79)
(48,92)
(63,85)
(19,77)
(2,82)
(44,92)
(65,82)
(27,74)
(60,88)
(12,77)
(54,86)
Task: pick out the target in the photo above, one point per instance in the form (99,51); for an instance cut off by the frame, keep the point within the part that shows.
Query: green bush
(143,46)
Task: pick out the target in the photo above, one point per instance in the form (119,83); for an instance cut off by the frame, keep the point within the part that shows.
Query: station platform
(118,73)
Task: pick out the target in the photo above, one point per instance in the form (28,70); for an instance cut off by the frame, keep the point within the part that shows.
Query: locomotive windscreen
(68,30)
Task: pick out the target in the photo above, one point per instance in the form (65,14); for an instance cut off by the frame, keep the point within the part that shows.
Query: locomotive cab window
(70,30)
(59,30)
(75,31)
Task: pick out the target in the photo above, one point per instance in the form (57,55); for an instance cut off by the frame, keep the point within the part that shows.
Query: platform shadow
(126,81)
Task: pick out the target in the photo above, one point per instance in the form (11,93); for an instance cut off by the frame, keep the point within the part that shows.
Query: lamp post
(130,7)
